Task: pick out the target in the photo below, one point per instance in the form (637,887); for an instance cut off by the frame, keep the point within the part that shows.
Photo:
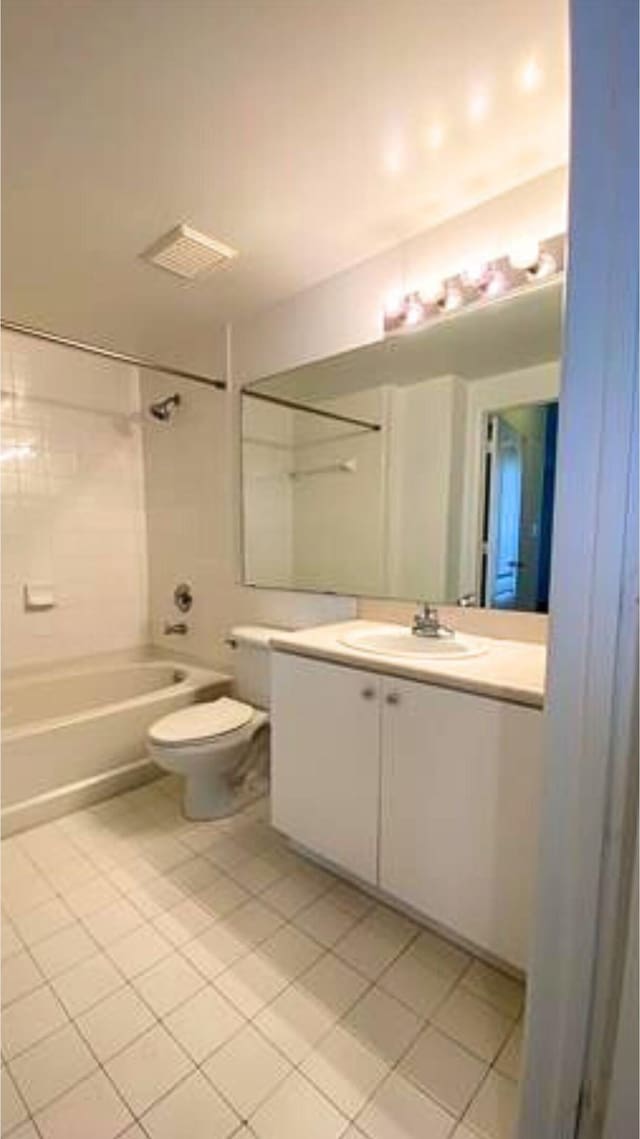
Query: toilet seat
(201,723)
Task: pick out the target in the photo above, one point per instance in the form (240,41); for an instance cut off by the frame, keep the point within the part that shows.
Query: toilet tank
(252,662)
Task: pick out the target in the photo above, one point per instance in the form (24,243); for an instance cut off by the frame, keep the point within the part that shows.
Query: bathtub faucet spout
(180,629)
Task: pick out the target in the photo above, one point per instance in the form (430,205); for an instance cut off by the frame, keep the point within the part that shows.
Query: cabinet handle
(393,698)
(368,693)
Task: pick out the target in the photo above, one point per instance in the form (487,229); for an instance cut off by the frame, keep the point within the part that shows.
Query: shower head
(163,409)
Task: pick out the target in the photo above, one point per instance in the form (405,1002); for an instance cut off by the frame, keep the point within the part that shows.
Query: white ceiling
(269,124)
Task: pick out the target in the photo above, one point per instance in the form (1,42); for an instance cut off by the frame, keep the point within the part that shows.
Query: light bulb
(453,299)
(431,291)
(525,254)
(415,311)
(497,284)
(475,275)
(393,303)
(545,267)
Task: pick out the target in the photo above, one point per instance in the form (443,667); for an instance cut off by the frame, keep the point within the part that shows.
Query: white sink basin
(398,642)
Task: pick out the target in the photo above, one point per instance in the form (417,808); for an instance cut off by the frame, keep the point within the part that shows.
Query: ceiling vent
(187,253)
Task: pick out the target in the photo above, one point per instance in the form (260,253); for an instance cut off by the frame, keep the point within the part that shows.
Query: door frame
(584,888)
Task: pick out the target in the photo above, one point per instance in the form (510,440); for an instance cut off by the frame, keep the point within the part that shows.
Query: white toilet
(221,746)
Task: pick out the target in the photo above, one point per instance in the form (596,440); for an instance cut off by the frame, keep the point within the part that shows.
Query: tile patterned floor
(165,979)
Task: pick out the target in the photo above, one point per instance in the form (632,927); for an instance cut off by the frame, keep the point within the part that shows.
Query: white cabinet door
(325,760)
(459,811)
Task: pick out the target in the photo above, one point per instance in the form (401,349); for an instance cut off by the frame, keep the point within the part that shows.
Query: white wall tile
(74,510)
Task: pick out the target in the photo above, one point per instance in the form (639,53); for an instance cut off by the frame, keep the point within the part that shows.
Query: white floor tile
(195,874)
(184,922)
(148,1069)
(440,955)
(194,1110)
(168,984)
(251,983)
(296,1108)
(139,950)
(20,975)
(417,985)
(291,951)
(52,1067)
(252,923)
(92,1108)
(113,922)
(25,1131)
(246,1070)
(30,1019)
(444,1070)
(223,897)
(214,950)
(375,942)
(257,873)
(295,1022)
(333,983)
(293,893)
(63,950)
(325,920)
(399,1110)
(509,1061)
(13,1108)
(345,1070)
(87,983)
(92,896)
(43,921)
(493,1111)
(384,1025)
(504,992)
(115,1022)
(203,1023)
(10,942)
(473,1023)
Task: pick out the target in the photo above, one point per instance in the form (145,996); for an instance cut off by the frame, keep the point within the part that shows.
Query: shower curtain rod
(366,424)
(109,354)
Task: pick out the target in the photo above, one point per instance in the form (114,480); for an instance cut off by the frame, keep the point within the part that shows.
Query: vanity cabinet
(459,798)
(427,793)
(325,760)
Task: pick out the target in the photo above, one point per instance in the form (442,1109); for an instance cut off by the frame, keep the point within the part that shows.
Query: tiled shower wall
(72,504)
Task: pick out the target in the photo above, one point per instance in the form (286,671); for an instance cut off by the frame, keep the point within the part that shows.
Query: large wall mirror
(420,466)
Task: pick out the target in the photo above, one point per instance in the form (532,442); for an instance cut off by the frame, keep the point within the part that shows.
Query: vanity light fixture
(527,264)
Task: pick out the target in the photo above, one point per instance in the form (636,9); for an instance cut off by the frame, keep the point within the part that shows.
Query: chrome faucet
(180,628)
(426,623)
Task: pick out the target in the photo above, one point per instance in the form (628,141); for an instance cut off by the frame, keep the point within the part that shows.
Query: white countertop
(509,670)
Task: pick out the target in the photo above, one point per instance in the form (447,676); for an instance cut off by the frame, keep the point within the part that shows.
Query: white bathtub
(77,734)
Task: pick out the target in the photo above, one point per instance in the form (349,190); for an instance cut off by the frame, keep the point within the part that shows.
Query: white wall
(193,520)
(345,311)
(72,510)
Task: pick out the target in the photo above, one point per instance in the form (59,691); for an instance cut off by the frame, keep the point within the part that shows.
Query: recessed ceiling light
(479,104)
(187,253)
(530,76)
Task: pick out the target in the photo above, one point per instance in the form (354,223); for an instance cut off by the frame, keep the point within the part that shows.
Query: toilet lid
(201,721)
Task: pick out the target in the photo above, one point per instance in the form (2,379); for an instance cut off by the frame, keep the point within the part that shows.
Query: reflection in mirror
(421,466)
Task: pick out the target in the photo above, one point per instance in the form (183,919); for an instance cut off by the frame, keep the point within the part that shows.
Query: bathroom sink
(398,642)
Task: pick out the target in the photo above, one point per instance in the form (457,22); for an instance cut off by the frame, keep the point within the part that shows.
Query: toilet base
(207,797)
